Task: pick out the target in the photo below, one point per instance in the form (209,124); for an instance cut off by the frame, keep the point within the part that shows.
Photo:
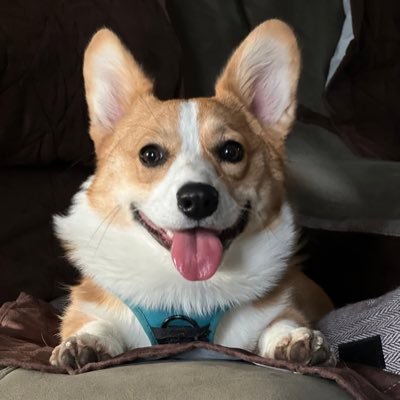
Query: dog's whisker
(114,215)
(103,221)
(43,339)
(151,112)
(110,216)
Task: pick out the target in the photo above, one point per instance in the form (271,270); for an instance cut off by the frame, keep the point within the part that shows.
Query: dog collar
(174,326)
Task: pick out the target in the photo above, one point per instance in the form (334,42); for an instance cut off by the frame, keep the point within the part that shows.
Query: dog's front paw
(299,345)
(82,349)
(304,346)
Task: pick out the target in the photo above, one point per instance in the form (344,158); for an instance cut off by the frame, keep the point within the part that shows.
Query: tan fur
(141,125)
(227,116)
(85,292)
(284,285)
(117,148)
(233,83)
(88,291)
(72,321)
(309,302)
(294,315)
(261,168)
(310,298)
(135,81)
(118,157)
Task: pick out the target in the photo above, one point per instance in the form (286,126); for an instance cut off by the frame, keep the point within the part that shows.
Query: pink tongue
(196,253)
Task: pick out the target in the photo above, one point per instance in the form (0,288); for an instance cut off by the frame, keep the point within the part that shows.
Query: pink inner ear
(108,98)
(271,93)
(114,106)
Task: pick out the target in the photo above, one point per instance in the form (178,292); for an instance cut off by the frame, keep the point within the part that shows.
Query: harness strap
(145,324)
(163,327)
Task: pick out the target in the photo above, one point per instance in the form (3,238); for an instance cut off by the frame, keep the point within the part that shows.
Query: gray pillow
(367,332)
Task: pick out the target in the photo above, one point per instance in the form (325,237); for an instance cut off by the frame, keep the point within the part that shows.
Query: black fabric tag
(364,351)
(180,334)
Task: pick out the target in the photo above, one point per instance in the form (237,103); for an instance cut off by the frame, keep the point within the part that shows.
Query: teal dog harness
(174,326)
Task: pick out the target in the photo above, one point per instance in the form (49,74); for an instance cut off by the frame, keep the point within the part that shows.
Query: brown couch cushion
(43,111)
(30,256)
(43,120)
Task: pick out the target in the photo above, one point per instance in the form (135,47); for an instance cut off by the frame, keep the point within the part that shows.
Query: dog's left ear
(263,74)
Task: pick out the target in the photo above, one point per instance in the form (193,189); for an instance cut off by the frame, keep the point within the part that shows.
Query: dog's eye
(152,155)
(230,151)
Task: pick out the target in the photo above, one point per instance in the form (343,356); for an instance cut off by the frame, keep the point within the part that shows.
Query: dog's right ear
(263,74)
(113,79)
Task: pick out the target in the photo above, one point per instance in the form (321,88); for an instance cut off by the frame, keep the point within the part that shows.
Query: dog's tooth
(169,233)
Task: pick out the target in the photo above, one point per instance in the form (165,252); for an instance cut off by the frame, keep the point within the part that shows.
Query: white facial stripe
(188,128)
(189,166)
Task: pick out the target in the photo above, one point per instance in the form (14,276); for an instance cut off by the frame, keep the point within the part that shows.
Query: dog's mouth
(197,252)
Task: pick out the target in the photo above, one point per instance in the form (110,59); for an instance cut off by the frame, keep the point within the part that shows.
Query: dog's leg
(95,326)
(94,341)
(290,338)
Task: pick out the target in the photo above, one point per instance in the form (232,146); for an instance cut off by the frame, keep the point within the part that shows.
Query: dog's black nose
(197,200)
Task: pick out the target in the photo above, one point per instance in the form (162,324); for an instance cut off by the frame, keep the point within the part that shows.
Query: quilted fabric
(365,320)
(43,117)
(45,150)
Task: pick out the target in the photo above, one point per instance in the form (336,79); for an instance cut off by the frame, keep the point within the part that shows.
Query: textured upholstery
(194,380)
(45,149)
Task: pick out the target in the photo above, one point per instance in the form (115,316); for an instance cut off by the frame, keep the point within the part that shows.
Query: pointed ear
(112,81)
(263,74)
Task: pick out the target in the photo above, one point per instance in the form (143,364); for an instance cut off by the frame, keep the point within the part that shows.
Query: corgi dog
(184,231)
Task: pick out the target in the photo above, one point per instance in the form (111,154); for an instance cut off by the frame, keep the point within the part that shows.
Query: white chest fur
(129,263)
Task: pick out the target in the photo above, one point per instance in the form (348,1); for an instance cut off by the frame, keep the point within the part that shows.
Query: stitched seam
(7,370)
(7,309)
(391,387)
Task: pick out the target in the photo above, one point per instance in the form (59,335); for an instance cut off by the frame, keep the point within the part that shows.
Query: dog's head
(195,174)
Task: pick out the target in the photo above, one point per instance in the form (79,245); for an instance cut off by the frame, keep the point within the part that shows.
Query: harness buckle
(180,333)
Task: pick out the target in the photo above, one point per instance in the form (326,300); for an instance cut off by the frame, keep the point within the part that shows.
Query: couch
(46,153)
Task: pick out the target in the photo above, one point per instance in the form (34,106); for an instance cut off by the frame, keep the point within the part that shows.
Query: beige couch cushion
(170,380)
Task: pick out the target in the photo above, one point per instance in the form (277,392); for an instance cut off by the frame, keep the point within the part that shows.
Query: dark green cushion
(210,29)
